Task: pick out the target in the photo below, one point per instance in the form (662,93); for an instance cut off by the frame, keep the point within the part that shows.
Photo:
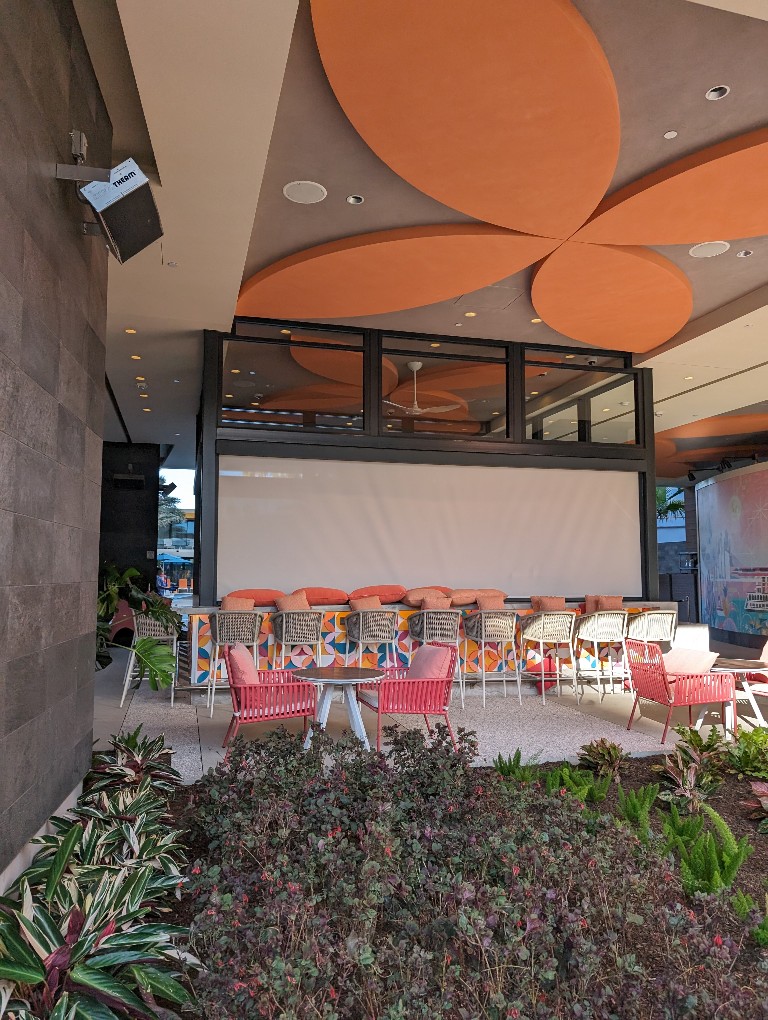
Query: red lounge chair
(651,681)
(423,688)
(267,696)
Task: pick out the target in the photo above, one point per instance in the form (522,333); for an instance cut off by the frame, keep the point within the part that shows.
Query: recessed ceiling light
(669,135)
(496,412)
(144,396)
(687,377)
(389,426)
(434,345)
(658,414)
(355,199)
(470,315)
(129,330)
(254,403)
(177,433)
(349,423)
(605,410)
(623,403)
(139,378)
(535,320)
(573,423)
(135,357)
(177,380)
(744,253)
(458,323)
(545,433)
(286,332)
(708,249)
(304,192)
(717,92)
(570,355)
(147,409)
(235,371)
(534,393)
(229,396)
(172,265)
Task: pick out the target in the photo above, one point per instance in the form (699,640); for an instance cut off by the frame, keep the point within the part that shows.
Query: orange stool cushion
(387,593)
(260,596)
(324,596)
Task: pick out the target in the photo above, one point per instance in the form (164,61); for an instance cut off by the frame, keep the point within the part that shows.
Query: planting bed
(337,885)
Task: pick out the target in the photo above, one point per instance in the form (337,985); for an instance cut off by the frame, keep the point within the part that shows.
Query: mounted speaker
(125,209)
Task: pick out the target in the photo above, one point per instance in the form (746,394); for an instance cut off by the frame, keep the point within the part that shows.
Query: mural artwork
(733,550)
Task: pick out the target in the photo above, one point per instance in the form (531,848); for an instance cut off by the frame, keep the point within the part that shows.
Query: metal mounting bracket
(83,174)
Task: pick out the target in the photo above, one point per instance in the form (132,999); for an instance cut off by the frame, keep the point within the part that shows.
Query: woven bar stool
(372,628)
(143,627)
(231,627)
(295,627)
(549,628)
(494,627)
(654,625)
(606,627)
(437,626)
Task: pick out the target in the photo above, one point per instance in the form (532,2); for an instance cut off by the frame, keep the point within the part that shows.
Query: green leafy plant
(748,754)
(758,805)
(155,658)
(95,959)
(132,759)
(690,774)
(668,503)
(680,831)
(746,909)
(635,808)
(514,768)
(710,862)
(580,783)
(604,757)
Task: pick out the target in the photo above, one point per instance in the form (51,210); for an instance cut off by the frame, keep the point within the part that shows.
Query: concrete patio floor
(553,731)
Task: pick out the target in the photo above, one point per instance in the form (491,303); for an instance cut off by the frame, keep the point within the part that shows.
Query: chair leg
(229,730)
(450,730)
(690,715)
(735,719)
(666,725)
(429,728)
(503,658)
(543,685)
(632,714)
(128,673)
(482,666)
(378,730)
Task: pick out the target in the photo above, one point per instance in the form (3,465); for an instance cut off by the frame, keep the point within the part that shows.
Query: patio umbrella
(170,558)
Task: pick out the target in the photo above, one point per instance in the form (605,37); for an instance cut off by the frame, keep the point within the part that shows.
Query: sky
(185,482)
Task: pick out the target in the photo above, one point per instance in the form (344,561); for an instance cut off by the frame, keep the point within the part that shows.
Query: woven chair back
(233,627)
(491,625)
(653,625)
(649,675)
(297,627)
(603,627)
(435,626)
(554,627)
(372,626)
(145,627)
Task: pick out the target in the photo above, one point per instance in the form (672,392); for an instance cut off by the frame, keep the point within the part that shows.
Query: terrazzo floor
(553,731)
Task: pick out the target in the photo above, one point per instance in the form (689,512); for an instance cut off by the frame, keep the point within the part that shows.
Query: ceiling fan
(413,411)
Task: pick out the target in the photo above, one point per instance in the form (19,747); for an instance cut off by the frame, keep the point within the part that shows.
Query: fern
(512,767)
(635,808)
(709,861)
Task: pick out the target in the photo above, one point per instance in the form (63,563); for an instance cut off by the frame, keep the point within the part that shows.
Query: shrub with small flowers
(346,885)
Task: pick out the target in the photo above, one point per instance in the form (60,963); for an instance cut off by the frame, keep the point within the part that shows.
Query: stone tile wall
(53,284)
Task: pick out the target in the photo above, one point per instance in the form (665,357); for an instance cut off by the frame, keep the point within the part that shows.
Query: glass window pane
(444,396)
(445,345)
(293,334)
(559,398)
(291,386)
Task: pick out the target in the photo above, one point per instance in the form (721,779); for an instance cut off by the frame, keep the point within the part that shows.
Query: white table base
(353,712)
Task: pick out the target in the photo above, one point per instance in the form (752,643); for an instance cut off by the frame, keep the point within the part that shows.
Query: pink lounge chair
(264,695)
(423,688)
(651,681)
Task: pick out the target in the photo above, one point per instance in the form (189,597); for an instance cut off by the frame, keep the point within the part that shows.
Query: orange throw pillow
(490,602)
(387,593)
(436,601)
(369,602)
(242,668)
(232,603)
(260,596)
(610,601)
(292,603)
(415,595)
(324,596)
(590,603)
(547,603)
(464,597)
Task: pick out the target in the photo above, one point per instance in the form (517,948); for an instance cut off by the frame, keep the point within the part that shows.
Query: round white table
(344,679)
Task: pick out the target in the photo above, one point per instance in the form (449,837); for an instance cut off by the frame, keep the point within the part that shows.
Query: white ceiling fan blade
(439,410)
(392,403)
